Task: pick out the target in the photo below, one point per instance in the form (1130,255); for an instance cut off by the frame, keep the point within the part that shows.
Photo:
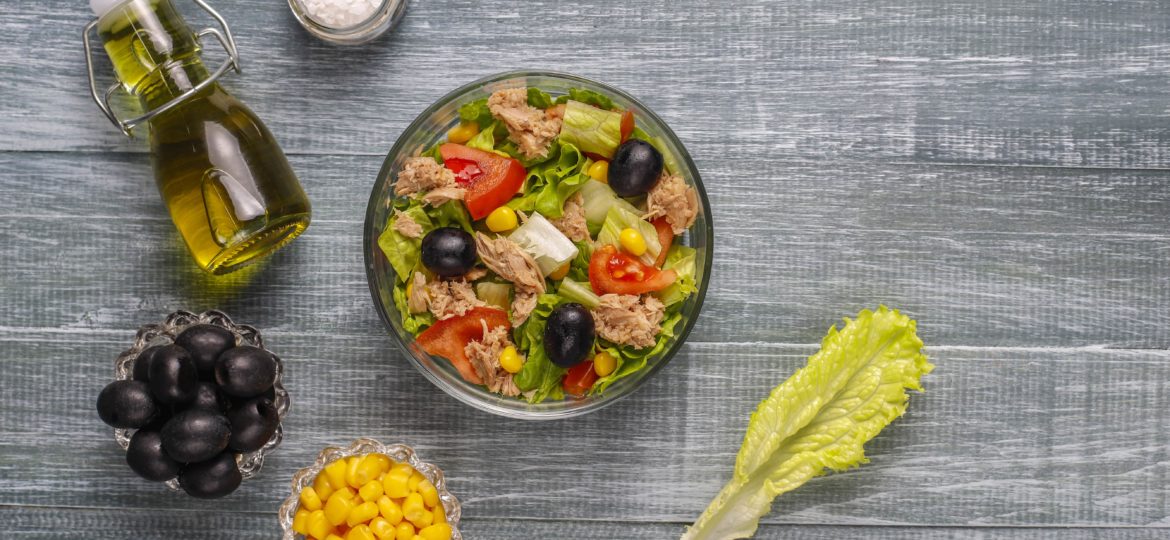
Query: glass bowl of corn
(370,491)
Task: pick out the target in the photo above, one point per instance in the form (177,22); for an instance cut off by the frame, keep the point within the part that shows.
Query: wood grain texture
(995,168)
(1054,82)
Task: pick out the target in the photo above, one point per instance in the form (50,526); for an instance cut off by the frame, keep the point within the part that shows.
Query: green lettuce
(476,111)
(588,97)
(413,323)
(540,379)
(538,98)
(819,419)
(551,183)
(579,268)
(631,360)
(404,252)
(620,217)
(593,130)
(681,259)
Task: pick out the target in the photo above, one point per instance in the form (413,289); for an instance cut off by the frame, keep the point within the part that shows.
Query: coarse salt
(341,13)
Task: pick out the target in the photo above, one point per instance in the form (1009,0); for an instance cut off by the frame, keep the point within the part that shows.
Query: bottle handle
(225,40)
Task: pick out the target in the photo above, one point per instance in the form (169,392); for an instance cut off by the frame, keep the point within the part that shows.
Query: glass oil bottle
(228,186)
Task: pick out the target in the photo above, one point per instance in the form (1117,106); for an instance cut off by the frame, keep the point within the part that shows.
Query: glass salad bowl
(400,453)
(430,127)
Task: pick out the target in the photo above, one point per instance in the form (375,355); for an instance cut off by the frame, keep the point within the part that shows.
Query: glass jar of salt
(348,22)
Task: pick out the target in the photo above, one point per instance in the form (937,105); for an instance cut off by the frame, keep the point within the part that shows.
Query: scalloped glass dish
(430,127)
(398,452)
(163,334)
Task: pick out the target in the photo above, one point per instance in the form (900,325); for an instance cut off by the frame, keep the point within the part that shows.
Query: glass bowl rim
(598,402)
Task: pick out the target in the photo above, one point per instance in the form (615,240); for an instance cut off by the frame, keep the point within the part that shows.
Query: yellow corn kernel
(412,507)
(600,171)
(394,483)
(633,242)
(603,364)
(425,519)
(390,510)
(384,462)
(336,473)
(416,478)
(463,132)
(402,467)
(323,488)
(361,532)
(561,272)
(440,514)
(371,491)
(351,471)
(430,495)
(404,531)
(333,537)
(361,513)
(318,525)
(309,499)
(346,492)
(300,524)
(502,219)
(382,528)
(438,531)
(367,470)
(511,362)
(337,508)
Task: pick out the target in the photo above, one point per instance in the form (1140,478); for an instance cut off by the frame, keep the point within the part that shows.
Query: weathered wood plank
(1053,82)
(986,256)
(1003,437)
(103,524)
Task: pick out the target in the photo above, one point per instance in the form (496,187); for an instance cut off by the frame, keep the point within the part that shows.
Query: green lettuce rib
(818,419)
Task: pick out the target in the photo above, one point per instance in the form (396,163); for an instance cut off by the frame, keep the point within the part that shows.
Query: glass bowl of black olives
(647,152)
(197,403)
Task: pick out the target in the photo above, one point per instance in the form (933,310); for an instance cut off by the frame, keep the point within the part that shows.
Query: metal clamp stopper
(127,126)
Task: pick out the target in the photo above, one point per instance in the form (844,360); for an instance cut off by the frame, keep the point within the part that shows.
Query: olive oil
(228,186)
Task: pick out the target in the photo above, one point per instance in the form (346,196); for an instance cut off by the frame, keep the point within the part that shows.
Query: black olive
(205,343)
(142,363)
(172,376)
(208,396)
(195,435)
(635,168)
(253,423)
(212,479)
(448,252)
(146,457)
(245,371)
(126,404)
(569,335)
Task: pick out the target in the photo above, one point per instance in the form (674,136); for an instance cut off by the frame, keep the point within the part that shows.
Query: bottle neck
(154,53)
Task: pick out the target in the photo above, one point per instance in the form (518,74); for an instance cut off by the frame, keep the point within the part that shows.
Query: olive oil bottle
(228,186)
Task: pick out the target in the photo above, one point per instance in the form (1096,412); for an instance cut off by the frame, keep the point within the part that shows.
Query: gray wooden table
(995,168)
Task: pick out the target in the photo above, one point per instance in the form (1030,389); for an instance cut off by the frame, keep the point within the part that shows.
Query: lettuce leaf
(631,360)
(620,217)
(681,259)
(539,98)
(551,183)
(484,140)
(579,269)
(593,130)
(476,111)
(539,379)
(403,252)
(818,419)
(588,97)
(413,323)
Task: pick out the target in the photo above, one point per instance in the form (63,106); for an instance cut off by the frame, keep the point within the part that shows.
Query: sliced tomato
(611,271)
(579,379)
(489,178)
(665,237)
(449,337)
(627,124)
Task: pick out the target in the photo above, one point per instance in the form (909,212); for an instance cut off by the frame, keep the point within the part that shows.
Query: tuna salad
(537,247)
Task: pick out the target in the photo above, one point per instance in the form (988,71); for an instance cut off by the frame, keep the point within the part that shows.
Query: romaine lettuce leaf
(402,252)
(681,259)
(547,245)
(594,130)
(631,360)
(588,97)
(618,218)
(484,140)
(551,183)
(413,323)
(579,269)
(476,111)
(539,379)
(818,419)
(538,98)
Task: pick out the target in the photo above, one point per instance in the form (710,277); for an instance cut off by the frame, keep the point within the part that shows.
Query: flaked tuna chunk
(406,225)
(572,223)
(506,258)
(485,359)
(441,195)
(448,299)
(421,174)
(631,320)
(418,299)
(523,302)
(530,128)
(673,198)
